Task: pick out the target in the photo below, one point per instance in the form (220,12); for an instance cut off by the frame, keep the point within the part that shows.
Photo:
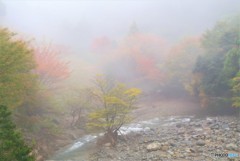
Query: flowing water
(81,148)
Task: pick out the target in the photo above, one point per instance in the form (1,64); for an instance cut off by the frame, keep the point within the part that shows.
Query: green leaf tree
(178,66)
(12,146)
(219,63)
(114,102)
(16,63)
(233,64)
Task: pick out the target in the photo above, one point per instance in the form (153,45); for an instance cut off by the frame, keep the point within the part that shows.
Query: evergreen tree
(12,146)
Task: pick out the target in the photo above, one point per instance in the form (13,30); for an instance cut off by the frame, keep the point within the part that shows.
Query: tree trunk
(112,137)
(109,137)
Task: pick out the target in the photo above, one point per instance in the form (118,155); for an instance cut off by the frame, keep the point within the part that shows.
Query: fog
(76,23)
(79,72)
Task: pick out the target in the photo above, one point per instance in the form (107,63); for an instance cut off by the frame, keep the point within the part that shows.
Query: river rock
(164,147)
(198,125)
(183,143)
(238,129)
(231,146)
(39,158)
(153,146)
(215,127)
(173,144)
(107,144)
(178,125)
(200,143)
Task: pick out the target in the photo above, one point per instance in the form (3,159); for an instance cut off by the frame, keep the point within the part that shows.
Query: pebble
(178,141)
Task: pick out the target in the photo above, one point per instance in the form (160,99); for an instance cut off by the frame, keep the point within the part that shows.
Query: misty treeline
(34,79)
(215,76)
(208,68)
(203,66)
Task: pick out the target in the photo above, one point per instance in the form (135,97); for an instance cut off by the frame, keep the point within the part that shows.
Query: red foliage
(50,67)
(147,51)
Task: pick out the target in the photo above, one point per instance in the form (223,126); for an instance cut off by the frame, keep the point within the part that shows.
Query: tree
(144,52)
(219,63)
(12,146)
(236,92)
(16,64)
(179,64)
(78,101)
(232,67)
(37,113)
(115,102)
(50,67)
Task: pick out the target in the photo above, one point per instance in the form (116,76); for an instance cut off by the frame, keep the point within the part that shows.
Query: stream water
(81,148)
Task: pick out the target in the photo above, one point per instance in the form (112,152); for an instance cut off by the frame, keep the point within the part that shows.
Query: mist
(143,74)
(76,24)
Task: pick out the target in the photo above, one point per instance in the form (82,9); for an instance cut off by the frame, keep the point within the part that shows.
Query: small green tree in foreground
(12,146)
(114,102)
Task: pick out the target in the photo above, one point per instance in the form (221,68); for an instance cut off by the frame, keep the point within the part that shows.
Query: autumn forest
(64,98)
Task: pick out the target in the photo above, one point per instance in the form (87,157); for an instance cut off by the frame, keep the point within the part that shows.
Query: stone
(39,158)
(170,152)
(198,125)
(232,146)
(179,125)
(225,126)
(107,144)
(164,148)
(238,129)
(214,127)
(200,143)
(192,150)
(188,150)
(181,132)
(153,146)
(173,144)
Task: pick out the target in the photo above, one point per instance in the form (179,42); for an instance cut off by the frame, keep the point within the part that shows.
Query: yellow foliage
(133,92)
(115,102)
(112,100)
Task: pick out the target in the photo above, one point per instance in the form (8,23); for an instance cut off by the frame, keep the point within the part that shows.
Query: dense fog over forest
(119,80)
(76,25)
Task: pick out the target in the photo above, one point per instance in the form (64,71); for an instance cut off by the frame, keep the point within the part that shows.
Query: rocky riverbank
(196,139)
